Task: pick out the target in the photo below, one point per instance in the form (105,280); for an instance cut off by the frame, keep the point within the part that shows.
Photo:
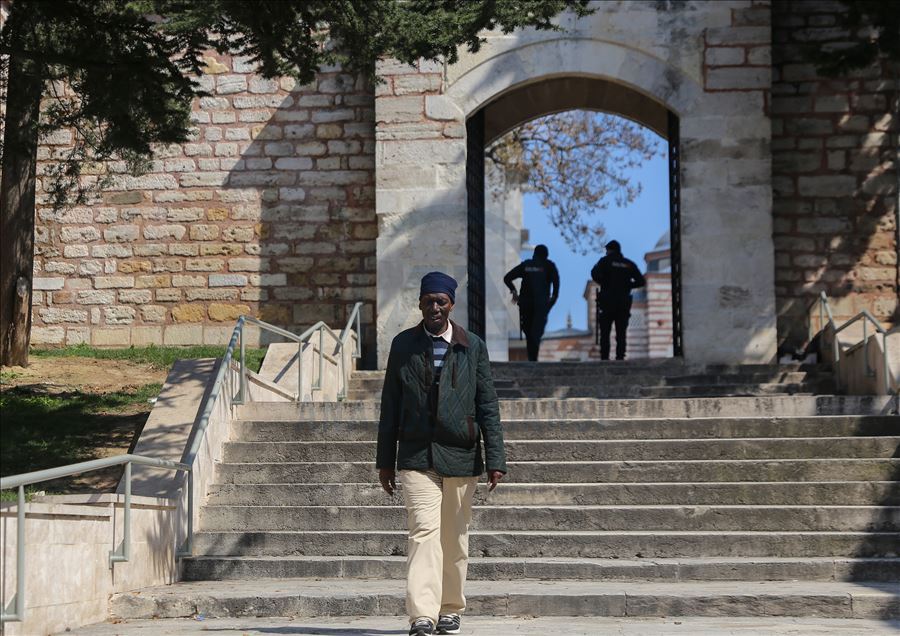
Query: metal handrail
(866,317)
(190,454)
(121,555)
(321,328)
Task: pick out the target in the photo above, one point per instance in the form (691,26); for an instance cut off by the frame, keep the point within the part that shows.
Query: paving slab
(340,597)
(492,626)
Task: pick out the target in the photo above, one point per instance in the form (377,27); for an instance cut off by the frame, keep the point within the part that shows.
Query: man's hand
(387,477)
(515,298)
(494,477)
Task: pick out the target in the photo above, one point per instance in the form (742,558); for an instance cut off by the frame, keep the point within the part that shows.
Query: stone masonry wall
(268,211)
(834,146)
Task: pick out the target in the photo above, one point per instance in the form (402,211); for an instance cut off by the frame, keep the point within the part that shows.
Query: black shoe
(448,624)
(422,627)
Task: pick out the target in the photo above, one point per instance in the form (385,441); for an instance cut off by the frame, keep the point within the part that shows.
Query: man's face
(436,310)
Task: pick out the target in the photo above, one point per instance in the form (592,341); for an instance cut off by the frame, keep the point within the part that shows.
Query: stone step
(671,428)
(588,472)
(593,450)
(586,408)
(678,518)
(491,625)
(308,597)
(602,392)
(499,569)
(834,493)
(375,383)
(594,544)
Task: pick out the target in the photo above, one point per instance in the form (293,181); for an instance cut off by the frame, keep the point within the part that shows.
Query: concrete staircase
(636,379)
(765,504)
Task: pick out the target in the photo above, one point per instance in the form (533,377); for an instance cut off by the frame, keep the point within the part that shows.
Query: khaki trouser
(439,511)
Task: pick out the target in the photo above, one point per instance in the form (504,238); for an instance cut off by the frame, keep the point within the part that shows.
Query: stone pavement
(492,626)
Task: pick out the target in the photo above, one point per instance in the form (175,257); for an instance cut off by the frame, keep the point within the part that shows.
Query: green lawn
(47,425)
(158,357)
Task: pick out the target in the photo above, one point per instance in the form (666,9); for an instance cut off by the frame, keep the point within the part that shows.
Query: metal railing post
(300,371)
(188,549)
(19,612)
(321,357)
(242,396)
(122,557)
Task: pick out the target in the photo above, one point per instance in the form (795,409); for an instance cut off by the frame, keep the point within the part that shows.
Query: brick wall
(834,145)
(268,210)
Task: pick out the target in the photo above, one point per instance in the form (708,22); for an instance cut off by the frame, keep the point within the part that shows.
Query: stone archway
(727,259)
(486,307)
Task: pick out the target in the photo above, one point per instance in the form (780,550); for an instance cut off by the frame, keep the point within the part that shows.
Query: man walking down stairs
(653,496)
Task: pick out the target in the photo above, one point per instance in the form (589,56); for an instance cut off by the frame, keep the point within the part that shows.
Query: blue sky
(637,227)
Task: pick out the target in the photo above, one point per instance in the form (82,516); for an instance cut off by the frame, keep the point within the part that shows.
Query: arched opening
(527,102)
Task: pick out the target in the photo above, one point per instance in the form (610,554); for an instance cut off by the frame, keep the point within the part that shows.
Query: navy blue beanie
(438,283)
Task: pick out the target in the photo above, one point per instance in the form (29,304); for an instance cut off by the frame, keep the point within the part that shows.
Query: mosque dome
(664,242)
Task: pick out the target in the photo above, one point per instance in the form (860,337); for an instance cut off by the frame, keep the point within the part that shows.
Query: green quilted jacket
(468,413)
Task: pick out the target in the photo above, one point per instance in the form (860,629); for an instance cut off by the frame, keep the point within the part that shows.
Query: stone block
(167,295)
(229,84)
(221,312)
(167,265)
(47,284)
(333,115)
(184,280)
(418,83)
(96,297)
(262,85)
(738,78)
(145,336)
(237,134)
(121,233)
(113,282)
(724,56)
(221,249)
(119,315)
(293,163)
(238,234)
(157,232)
(203,264)
(52,315)
(291,194)
(248,264)
(47,335)
(299,131)
(135,296)
(183,335)
(254,116)
(189,313)
(76,251)
(827,186)
(84,234)
(111,251)
(145,213)
(227,280)
(184,215)
(202,150)
(154,313)
(329,131)
(78,335)
(59,267)
(211,294)
(203,232)
(111,337)
(154,281)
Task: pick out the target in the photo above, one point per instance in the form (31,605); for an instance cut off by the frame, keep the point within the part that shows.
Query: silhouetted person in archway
(617,276)
(538,294)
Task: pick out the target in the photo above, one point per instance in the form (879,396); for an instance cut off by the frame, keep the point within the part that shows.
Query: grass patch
(157,357)
(43,430)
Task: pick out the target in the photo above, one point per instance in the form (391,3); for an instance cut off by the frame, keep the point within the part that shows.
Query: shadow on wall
(294,240)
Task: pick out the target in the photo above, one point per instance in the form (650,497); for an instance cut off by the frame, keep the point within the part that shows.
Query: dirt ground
(58,375)
(105,432)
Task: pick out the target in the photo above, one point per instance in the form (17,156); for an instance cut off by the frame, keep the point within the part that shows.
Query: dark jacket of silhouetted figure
(538,294)
(616,276)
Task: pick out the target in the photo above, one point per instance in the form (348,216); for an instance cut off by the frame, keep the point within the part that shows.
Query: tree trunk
(17,190)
